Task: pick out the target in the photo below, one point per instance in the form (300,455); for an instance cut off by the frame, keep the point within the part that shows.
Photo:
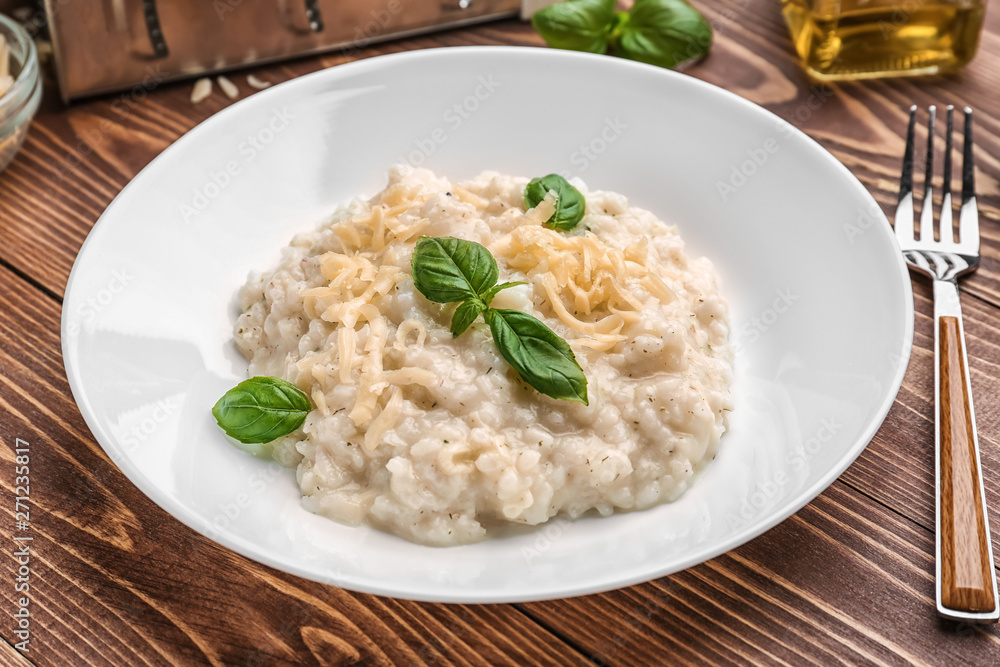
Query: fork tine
(968,222)
(950,122)
(945,231)
(968,170)
(904,209)
(927,208)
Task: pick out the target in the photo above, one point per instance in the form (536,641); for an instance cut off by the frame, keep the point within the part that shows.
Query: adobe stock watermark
(381,19)
(796,461)
(454,117)
(819,95)
(22,544)
(751,330)
(122,106)
(230,511)
(758,156)
(741,173)
(545,537)
(139,432)
(34,16)
(865,219)
(97,303)
(589,152)
(250,147)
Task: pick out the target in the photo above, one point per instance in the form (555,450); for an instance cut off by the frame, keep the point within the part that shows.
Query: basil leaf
(578,25)
(261,409)
(570,204)
(446,269)
(493,291)
(665,33)
(465,315)
(621,18)
(542,358)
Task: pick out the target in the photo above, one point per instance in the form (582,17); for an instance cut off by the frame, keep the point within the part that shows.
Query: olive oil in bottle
(863,39)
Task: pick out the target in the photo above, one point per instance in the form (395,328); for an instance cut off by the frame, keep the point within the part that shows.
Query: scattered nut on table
(202,89)
(254,82)
(228,87)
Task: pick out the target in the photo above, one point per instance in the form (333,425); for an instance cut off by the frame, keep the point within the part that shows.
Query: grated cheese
(404,329)
(433,437)
(582,273)
(586,284)
(357,280)
(469,197)
(385,420)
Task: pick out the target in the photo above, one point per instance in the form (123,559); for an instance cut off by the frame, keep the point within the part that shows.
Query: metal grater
(108,45)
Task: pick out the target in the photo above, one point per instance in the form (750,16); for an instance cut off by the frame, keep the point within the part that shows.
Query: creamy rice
(436,438)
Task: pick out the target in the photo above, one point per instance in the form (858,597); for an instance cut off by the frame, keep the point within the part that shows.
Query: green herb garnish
(570,204)
(450,270)
(577,25)
(453,270)
(665,33)
(465,315)
(541,357)
(261,409)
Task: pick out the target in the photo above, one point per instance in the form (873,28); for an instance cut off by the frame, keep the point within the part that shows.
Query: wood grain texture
(115,580)
(966,579)
(848,580)
(10,657)
(779,600)
(897,468)
(75,163)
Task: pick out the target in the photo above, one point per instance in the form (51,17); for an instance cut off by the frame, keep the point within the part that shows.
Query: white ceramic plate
(820,299)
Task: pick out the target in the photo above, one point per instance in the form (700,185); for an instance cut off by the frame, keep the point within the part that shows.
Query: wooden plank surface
(848,580)
(115,580)
(777,600)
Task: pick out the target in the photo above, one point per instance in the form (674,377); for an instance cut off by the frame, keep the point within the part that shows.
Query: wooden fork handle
(966,582)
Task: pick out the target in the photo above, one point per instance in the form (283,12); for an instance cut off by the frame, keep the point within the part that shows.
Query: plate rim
(458,595)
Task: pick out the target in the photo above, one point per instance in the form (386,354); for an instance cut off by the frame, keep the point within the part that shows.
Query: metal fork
(966,582)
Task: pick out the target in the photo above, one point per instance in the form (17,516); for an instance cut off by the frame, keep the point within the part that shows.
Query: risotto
(436,438)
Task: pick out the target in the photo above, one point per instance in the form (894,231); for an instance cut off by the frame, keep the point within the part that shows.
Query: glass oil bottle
(863,39)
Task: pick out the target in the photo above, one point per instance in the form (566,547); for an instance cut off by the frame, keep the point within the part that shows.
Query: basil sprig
(450,270)
(577,25)
(665,33)
(453,270)
(261,409)
(570,204)
(541,357)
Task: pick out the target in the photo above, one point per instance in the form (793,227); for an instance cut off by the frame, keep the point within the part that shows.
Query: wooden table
(115,580)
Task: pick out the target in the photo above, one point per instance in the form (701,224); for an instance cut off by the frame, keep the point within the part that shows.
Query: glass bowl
(19,104)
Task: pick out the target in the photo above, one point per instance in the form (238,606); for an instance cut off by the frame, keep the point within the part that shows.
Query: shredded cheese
(357,282)
(404,329)
(385,420)
(319,399)
(469,197)
(543,211)
(587,285)
(583,275)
